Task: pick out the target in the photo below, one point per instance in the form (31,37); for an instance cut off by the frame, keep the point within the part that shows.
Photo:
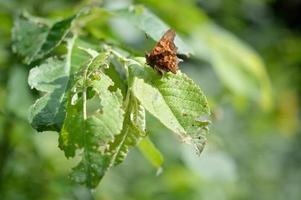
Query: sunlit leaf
(175,100)
(48,112)
(91,122)
(51,78)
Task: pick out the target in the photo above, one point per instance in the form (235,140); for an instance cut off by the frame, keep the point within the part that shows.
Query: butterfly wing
(164,55)
(166,43)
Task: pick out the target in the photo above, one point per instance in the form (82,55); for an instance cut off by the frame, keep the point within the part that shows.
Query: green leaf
(146,21)
(28,36)
(151,153)
(33,38)
(55,35)
(104,116)
(51,78)
(92,121)
(133,130)
(91,169)
(93,134)
(54,79)
(96,162)
(175,100)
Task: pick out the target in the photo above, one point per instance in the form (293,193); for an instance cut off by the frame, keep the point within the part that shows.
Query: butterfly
(163,56)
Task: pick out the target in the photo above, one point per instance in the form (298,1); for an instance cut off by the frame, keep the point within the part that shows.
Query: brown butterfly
(163,57)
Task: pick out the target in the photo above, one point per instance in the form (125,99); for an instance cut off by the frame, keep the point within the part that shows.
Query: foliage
(83,61)
(85,105)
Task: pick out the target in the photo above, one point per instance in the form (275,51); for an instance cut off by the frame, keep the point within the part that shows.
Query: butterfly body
(163,57)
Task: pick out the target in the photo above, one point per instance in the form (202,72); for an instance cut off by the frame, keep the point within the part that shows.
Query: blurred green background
(248,62)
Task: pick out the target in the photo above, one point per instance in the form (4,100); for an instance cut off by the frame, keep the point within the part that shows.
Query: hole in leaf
(112,88)
(117,78)
(90,93)
(94,105)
